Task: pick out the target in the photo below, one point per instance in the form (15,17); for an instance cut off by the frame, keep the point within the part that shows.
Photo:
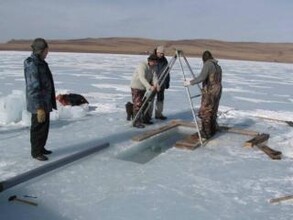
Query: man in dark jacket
(40,97)
(161,66)
(211,78)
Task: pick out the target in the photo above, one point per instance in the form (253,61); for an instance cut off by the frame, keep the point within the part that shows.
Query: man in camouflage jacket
(40,97)
(211,78)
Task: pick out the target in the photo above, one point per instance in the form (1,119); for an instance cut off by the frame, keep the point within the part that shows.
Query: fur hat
(153,57)
(160,49)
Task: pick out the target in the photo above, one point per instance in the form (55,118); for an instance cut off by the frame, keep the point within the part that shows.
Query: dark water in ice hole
(146,150)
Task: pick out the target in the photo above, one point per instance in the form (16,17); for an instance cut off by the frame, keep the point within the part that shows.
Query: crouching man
(144,80)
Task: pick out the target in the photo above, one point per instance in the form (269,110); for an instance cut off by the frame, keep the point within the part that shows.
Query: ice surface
(222,180)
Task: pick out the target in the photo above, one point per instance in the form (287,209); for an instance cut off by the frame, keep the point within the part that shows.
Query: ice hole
(148,149)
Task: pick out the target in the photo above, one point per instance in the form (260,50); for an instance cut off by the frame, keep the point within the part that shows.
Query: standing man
(161,66)
(211,78)
(143,80)
(40,97)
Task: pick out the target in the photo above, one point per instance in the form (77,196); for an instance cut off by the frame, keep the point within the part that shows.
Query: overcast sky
(228,20)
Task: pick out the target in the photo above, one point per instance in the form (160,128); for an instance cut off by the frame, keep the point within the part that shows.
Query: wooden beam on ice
(258,139)
(280,199)
(239,131)
(273,154)
(153,132)
(191,142)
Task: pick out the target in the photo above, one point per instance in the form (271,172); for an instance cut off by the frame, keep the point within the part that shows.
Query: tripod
(150,95)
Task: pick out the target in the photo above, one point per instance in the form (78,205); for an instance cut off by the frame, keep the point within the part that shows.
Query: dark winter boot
(138,125)
(46,152)
(40,157)
(129,110)
(138,122)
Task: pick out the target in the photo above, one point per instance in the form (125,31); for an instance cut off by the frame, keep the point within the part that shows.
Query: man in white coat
(144,80)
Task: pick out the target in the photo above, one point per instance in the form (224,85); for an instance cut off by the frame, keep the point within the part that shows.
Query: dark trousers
(39,134)
(160,95)
(160,103)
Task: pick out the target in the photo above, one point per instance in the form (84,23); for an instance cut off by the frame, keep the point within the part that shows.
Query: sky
(151,179)
(228,20)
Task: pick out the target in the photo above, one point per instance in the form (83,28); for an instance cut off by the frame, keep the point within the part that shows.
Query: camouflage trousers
(137,100)
(208,111)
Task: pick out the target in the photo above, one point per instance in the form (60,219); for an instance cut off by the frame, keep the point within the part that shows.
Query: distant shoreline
(253,51)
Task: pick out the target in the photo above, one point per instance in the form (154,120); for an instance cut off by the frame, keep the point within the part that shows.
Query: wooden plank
(187,124)
(153,132)
(280,199)
(239,131)
(290,123)
(258,139)
(190,142)
(273,154)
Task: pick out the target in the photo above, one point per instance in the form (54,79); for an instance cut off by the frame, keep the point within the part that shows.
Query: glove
(41,115)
